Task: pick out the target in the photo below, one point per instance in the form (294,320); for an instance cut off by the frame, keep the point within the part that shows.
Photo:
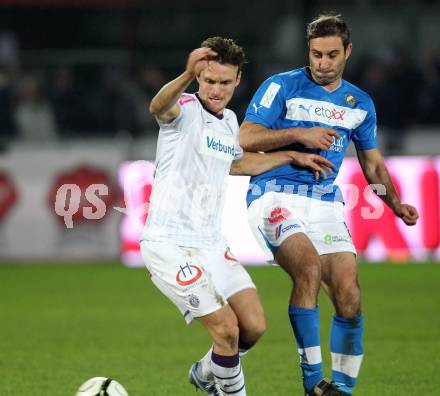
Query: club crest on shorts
(194,301)
(278,214)
(188,274)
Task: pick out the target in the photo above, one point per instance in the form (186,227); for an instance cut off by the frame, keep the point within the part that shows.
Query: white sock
(228,374)
(204,368)
(242,352)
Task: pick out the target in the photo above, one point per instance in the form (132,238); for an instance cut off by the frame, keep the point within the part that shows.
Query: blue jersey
(294,100)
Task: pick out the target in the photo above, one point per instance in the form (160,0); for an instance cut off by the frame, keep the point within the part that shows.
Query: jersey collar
(219,116)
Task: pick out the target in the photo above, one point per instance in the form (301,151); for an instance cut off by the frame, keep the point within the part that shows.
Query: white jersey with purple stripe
(193,159)
(294,100)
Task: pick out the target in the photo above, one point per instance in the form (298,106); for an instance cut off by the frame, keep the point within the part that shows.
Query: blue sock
(347,350)
(305,325)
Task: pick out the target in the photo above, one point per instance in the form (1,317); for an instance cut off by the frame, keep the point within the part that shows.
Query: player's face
(327,58)
(217,83)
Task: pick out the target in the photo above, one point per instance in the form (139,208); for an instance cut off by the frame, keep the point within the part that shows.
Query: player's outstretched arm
(376,172)
(256,137)
(164,105)
(252,164)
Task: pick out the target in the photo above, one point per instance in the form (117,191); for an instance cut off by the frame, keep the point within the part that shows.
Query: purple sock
(225,361)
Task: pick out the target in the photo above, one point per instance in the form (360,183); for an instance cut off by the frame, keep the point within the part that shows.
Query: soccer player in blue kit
(297,218)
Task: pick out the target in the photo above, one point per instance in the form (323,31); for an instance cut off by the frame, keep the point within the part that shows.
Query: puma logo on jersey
(256,107)
(306,109)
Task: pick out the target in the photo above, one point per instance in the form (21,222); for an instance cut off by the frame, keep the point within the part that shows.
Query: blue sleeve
(364,136)
(268,103)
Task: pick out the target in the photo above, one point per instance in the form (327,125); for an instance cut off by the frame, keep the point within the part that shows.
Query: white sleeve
(238,151)
(188,108)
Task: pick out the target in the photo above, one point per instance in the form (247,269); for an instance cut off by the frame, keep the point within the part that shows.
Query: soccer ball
(101,386)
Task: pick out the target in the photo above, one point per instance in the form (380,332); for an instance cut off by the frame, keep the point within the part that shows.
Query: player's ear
(237,81)
(348,50)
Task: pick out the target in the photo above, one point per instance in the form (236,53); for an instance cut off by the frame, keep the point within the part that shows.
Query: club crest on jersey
(350,99)
(278,214)
(188,274)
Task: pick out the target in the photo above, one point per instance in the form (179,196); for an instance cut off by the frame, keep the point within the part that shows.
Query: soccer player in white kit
(182,245)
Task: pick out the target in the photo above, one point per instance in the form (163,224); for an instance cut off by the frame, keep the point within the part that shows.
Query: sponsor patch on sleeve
(269,95)
(186,99)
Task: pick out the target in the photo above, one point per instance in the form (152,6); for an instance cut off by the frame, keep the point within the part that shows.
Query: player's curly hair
(329,25)
(227,49)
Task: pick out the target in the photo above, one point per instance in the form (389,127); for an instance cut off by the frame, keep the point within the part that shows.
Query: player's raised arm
(164,104)
(252,164)
(256,137)
(376,172)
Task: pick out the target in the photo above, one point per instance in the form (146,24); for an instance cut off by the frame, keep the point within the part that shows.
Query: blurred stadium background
(76,77)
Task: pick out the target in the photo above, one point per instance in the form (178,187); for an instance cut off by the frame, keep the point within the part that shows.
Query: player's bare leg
(299,258)
(340,280)
(247,307)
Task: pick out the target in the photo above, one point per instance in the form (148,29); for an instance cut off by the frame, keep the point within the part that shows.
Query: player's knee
(253,330)
(260,327)
(349,302)
(258,331)
(349,312)
(312,268)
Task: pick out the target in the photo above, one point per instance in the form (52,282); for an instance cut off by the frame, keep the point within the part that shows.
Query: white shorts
(198,281)
(275,216)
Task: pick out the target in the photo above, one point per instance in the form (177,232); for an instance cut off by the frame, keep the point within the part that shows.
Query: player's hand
(407,213)
(198,60)
(320,166)
(318,137)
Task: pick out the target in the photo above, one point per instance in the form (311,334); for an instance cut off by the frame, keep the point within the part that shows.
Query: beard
(325,79)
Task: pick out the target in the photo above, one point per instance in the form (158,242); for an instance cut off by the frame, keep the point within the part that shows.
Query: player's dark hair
(329,25)
(228,51)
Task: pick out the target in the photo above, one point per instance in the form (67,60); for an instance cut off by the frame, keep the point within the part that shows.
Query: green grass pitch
(62,324)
